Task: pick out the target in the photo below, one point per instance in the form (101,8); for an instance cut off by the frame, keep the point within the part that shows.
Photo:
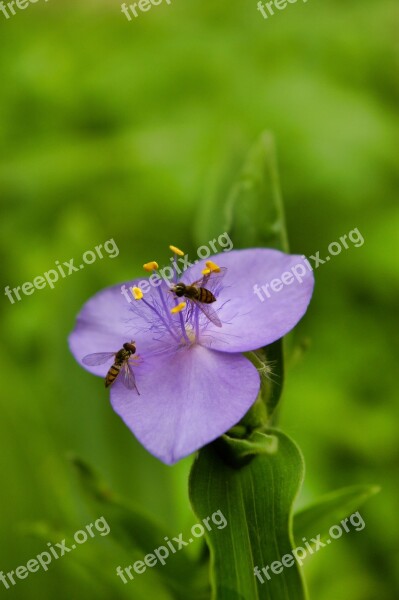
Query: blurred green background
(118,129)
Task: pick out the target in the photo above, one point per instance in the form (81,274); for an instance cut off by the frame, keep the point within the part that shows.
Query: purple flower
(194,382)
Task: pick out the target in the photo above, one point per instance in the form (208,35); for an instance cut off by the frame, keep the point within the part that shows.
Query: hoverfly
(121,364)
(199,294)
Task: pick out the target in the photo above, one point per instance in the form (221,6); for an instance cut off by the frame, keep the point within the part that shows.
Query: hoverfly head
(130,347)
(179,289)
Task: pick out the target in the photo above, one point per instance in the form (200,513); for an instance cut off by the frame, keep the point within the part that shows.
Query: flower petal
(252,320)
(105,322)
(186,400)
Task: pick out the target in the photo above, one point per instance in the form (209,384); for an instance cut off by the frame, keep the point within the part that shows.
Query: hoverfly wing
(98,358)
(209,312)
(128,377)
(211,281)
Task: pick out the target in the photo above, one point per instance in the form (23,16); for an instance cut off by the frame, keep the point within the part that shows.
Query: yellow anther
(176,250)
(206,271)
(212,266)
(137,293)
(150,266)
(178,308)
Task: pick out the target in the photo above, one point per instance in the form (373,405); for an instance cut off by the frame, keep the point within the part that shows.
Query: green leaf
(140,534)
(254,208)
(253,216)
(270,363)
(96,560)
(131,526)
(252,211)
(330,510)
(256,501)
(240,449)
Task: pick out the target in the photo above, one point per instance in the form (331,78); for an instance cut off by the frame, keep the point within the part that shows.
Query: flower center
(190,334)
(181,310)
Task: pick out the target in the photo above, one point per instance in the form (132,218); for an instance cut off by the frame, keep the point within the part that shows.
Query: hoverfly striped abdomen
(112,373)
(205,296)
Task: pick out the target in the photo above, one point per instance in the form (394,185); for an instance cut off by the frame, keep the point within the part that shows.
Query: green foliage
(330,510)
(139,535)
(253,216)
(252,475)
(256,501)
(252,213)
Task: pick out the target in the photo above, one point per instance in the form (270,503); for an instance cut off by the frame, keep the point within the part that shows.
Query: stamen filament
(196,323)
(178,309)
(172,333)
(183,328)
(164,306)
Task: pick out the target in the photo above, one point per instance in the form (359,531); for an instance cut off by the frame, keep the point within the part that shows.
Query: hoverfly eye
(129,347)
